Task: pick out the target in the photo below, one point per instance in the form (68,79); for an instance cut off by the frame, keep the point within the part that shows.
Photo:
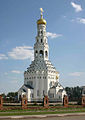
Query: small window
(41,40)
(46,53)
(43,92)
(37,40)
(41,32)
(37,92)
(36,53)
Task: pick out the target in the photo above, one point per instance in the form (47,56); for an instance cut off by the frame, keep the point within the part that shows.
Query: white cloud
(77,74)
(16,71)
(81,20)
(77,7)
(3,56)
(53,35)
(21,53)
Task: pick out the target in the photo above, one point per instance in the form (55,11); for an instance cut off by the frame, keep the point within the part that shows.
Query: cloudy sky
(66,39)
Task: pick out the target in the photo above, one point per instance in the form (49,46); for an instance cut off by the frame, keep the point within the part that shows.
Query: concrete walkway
(42,116)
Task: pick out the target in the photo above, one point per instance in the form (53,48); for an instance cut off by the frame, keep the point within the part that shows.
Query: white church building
(41,77)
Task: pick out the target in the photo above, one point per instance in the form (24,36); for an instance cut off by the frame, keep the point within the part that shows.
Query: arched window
(41,32)
(37,40)
(41,40)
(41,53)
(46,53)
(36,53)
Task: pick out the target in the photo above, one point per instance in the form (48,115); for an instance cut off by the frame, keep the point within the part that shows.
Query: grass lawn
(41,111)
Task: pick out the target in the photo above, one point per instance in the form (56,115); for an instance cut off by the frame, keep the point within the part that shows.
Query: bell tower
(41,49)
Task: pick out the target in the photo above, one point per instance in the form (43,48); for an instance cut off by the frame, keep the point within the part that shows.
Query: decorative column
(65,101)
(46,102)
(83,100)
(24,102)
(1,102)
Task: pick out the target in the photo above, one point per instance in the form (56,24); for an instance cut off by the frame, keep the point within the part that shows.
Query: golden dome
(41,21)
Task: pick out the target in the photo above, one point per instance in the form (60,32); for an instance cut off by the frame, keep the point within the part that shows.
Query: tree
(12,94)
(74,93)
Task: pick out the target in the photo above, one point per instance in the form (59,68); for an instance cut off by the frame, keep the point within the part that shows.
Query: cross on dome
(41,12)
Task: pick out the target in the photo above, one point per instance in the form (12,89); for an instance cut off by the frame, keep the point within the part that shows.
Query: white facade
(41,76)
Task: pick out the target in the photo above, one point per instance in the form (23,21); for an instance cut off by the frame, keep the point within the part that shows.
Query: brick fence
(1,102)
(65,101)
(45,101)
(83,101)
(24,102)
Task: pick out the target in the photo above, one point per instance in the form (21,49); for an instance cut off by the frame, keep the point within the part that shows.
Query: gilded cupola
(41,20)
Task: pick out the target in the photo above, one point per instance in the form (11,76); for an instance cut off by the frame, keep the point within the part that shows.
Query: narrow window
(37,92)
(41,32)
(41,40)
(43,92)
(46,53)
(36,53)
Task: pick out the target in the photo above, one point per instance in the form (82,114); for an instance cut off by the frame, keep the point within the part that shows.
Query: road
(53,118)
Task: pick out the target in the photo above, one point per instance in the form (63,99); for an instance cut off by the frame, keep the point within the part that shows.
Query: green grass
(40,112)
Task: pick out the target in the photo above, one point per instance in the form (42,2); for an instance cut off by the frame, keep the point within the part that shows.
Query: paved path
(69,116)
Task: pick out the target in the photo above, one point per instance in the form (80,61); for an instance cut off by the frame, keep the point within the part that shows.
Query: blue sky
(66,39)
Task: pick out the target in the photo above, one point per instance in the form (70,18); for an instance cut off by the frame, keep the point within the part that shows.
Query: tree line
(74,93)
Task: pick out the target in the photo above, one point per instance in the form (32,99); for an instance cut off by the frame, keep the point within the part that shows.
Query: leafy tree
(3,95)
(74,93)
(12,94)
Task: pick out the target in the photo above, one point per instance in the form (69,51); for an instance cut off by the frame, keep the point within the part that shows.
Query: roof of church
(28,86)
(61,90)
(57,85)
(24,90)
